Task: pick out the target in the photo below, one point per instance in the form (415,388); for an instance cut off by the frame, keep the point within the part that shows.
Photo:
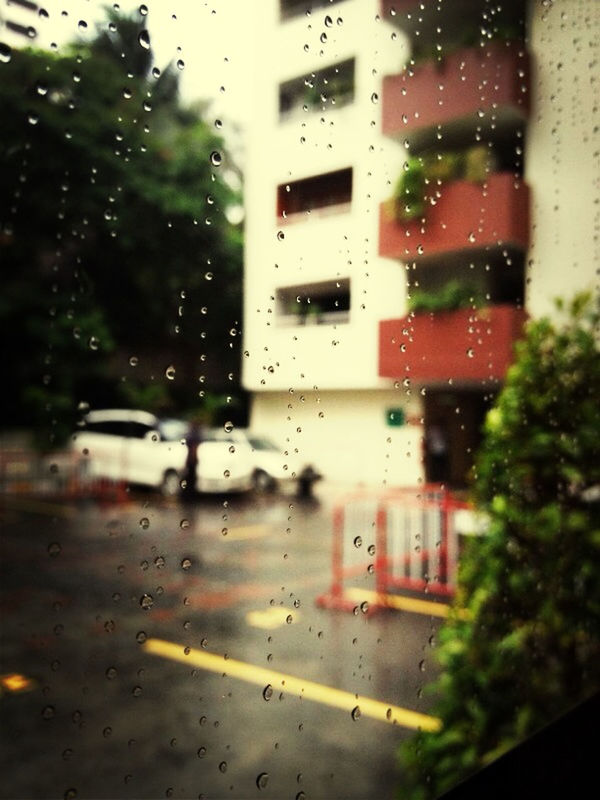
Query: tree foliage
(114,240)
(530,646)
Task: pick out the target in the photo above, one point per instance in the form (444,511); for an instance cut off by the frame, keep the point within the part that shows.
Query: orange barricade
(400,540)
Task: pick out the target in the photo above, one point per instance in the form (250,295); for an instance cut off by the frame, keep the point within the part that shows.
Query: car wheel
(262,481)
(170,486)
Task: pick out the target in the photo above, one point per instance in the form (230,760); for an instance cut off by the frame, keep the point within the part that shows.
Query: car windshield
(172,430)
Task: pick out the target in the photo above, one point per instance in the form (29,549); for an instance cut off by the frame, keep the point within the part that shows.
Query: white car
(139,448)
(272,466)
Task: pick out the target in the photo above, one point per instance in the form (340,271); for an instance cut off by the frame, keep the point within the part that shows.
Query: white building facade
(340,368)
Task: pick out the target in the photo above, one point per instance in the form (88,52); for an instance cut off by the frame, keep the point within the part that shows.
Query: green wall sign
(395,417)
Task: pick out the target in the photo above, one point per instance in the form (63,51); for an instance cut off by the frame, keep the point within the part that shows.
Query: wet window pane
(299,456)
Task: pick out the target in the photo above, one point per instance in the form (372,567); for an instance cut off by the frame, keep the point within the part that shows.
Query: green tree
(114,240)
(530,646)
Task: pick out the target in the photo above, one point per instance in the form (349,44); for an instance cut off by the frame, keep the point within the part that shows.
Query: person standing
(192,441)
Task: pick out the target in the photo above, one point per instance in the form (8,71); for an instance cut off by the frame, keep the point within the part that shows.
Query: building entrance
(453,433)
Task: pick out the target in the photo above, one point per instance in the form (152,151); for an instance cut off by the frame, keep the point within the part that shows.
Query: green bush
(529,647)
(423,174)
(450,297)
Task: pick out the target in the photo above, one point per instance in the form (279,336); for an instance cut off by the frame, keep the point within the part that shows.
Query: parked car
(272,467)
(139,448)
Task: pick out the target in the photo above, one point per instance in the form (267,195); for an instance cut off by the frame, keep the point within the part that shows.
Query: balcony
(467,346)
(474,85)
(466,216)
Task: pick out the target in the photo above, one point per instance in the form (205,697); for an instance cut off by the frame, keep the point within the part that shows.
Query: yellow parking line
(247,532)
(354,704)
(271,618)
(412,604)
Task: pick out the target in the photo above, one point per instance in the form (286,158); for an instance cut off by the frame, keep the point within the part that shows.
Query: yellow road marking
(271,618)
(246,532)
(16,683)
(412,604)
(39,506)
(280,682)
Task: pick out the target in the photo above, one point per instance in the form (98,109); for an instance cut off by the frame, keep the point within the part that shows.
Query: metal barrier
(400,540)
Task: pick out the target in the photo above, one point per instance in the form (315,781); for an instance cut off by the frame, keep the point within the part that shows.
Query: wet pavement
(177,651)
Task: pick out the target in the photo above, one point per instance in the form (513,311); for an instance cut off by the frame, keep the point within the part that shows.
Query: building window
(294,8)
(332,87)
(322,303)
(320,191)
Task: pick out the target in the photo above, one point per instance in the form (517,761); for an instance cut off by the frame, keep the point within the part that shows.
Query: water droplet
(228,427)
(355,713)
(144,39)
(146,602)
(170,372)
(422,665)
(5,53)
(133,361)
(186,563)
(201,752)
(111,673)
(289,619)
(223,766)
(374,97)
(470,353)
(144,523)
(82,25)
(143,10)
(93,343)
(323,38)
(48,712)
(180,63)
(328,22)
(54,549)
(107,732)
(262,780)
(185,523)
(268,692)
(70,794)
(32,118)
(216,158)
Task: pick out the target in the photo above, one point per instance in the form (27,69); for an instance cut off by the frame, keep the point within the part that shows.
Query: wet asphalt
(88,586)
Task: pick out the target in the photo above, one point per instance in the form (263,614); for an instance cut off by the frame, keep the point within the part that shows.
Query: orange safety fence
(388,542)
(62,474)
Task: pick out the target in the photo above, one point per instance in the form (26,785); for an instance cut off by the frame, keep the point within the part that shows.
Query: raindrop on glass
(262,780)
(146,602)
(355,713)
(268,692)
(144,39)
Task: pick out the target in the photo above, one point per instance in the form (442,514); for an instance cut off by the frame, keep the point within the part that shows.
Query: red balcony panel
(466,345)
(474,83)
(466,216)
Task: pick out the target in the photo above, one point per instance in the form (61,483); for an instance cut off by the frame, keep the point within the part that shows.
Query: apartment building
(18,23)
(420,178)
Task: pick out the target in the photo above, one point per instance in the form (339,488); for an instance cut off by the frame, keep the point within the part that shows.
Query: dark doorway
(453,432)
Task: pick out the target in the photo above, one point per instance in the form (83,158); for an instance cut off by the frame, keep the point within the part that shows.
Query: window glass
(299,452)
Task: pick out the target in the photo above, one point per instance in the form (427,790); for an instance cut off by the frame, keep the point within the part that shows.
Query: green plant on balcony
(453,296)
(424,174)
(471,36)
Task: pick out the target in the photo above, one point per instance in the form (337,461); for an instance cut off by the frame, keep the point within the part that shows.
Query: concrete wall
(561,159)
